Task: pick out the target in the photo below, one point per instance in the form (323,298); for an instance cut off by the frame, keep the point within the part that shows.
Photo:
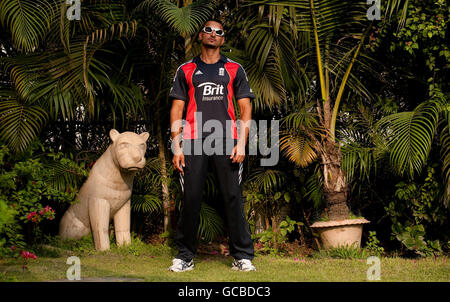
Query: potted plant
(311,130)
(315,78)
(338,233)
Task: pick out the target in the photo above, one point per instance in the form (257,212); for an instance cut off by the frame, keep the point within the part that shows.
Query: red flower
(27,255)
(12,247)
(31,215)
(41,212)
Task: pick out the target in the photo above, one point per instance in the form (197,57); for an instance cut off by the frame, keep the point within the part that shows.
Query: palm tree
(184,18)
(311,49)
(311,43)
(57,69)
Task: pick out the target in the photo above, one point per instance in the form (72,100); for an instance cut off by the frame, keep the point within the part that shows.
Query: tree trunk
(266,220)
(275,232)
(259,222)
(187,47)
(164,185)
(173,211)
(335,186)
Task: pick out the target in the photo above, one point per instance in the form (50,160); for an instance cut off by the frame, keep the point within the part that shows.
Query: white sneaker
(243,265)
(179,265)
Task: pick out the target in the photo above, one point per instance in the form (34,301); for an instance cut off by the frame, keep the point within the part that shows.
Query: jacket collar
(222,59)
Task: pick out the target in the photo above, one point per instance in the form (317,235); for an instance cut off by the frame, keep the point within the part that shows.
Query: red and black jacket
(210,89)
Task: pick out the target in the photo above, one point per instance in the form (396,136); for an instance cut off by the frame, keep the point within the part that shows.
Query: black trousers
(229,177)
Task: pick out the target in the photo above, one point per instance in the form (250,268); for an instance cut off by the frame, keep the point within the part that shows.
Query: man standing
(208,83)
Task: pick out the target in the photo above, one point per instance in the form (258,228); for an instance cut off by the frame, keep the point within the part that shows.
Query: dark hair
(214,20)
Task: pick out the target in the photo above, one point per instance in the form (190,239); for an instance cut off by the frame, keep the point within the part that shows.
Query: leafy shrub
(419,216)
(28,184)
(288,226)
(272,242)
(372,245)
(6,217)
(412,237)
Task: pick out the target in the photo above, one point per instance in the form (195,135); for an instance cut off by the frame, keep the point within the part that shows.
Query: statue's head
(128,149)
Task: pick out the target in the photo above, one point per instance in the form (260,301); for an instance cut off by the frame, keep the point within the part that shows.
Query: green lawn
(150,263)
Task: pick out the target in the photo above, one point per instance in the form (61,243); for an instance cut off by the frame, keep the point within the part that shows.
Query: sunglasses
(209,30)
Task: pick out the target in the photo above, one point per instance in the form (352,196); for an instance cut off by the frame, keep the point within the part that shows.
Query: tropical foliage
(363,106)
(34,186)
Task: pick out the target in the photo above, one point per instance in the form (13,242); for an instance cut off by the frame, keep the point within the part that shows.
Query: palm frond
(445,148)
(185,20)
(358,161)
(303,118)
(314,185)
(297,147)
(66,80)
(211,186)
(395,6)
(339,59)
(267,181)
(410,135)
(146,203)
(267,84)
(296,141)
(64,175)
(94,42)
(152,175)
(269,56)
(28,21)
(20,123)
(330,15)
(126,97)
(211,224)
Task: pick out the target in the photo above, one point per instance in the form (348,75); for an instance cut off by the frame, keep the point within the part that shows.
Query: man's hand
(238,153)
(176,113)
(176,160)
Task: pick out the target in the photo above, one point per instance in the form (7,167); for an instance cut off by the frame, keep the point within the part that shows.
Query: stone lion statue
(106,193)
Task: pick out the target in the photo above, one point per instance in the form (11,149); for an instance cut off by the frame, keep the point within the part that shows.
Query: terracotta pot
(340,233)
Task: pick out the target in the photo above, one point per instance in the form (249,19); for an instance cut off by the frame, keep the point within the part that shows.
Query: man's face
(211,40)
